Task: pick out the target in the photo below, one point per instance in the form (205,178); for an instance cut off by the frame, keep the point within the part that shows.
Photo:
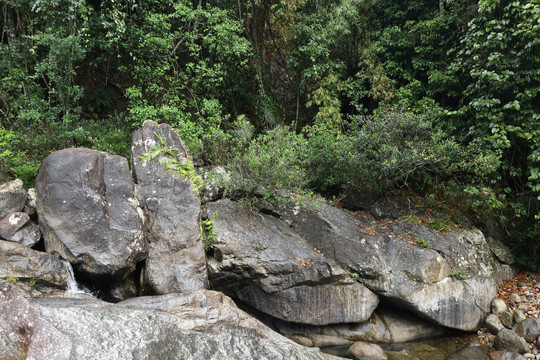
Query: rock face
(176,260)
(24,333)
(12,197)
(199,325)
(386,325)
(21,262)
(449,278)
(260,260)
(88,213)
(19,228)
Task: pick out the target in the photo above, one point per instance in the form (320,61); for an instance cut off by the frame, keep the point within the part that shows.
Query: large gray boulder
(19,228)
(176,260)
(88,213)
(12,197)
(22,263)
(199,325)
(449,278)
(264,263)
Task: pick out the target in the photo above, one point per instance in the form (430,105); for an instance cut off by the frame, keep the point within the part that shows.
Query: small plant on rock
(353,275)
(173,162)
(422,243)
(208,233)
(458,275)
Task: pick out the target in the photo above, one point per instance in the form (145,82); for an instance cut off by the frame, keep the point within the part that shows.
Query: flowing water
(74,287)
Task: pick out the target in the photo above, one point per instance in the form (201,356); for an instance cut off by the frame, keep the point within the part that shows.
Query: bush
(273,160)
(395,148)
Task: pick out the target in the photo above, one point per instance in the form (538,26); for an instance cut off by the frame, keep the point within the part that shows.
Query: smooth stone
(493,324)
(22,263)
(199,325)
(498,306)
(362,350)
(515,298)
(176,260)
(507,318)
(519,316)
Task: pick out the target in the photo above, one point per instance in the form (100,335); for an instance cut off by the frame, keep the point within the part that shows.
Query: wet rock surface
(473,351)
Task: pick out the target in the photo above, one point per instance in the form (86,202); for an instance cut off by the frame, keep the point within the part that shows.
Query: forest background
(435,97)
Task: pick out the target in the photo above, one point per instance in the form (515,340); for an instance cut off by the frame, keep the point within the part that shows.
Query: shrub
(273,160)
(395,145)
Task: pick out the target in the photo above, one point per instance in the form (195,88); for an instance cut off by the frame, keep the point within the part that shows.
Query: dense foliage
(441,97)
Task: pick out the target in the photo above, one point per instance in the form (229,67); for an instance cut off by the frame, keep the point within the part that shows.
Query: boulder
(176,260)
(198,325)
(449,278)
(19,228)
(528,329)
(508,340)
(498,306)
(361,350)
(386,325)
(22,263)
(519,316)
(264,263)
(507,318)
(88,213)
(12,197)
(493,324)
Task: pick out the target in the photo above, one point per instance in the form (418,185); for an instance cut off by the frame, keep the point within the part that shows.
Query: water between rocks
(441,348)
